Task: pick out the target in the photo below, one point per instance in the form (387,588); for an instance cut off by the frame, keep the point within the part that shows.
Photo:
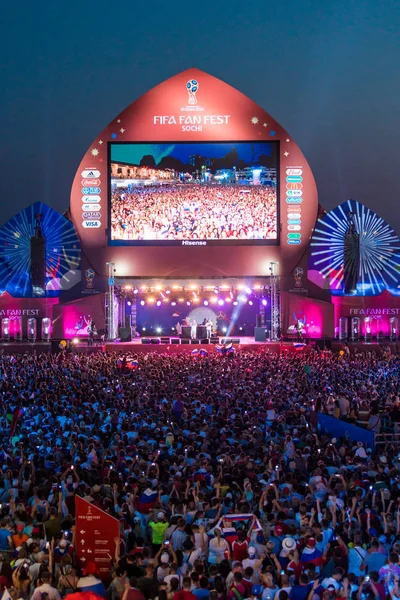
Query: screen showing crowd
(177,194)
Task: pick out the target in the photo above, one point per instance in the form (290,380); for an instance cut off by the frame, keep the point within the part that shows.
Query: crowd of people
(194,211)
(223,483)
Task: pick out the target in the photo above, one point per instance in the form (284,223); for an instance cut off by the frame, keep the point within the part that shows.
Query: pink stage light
(264,302)
(173,303)
(220,302)
(251,302)
(205,302)
(188,303)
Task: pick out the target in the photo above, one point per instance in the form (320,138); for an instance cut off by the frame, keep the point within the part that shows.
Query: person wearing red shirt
(240,547)
(185,593)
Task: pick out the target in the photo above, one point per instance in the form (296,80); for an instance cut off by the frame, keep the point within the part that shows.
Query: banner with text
(96,532)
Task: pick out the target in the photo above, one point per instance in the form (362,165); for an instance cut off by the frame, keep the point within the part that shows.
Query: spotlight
(251,302)
(173,303)
(129,303)
(167,291)
(75,341)
(158,303)
(205,302)
(135,291)
(143,328)
(242,298)
(188,303)
(228,299)
(142,303)
(264,302)
(213,299)
(235,303)
(158,330)
(248,290)
(216,290)
(220,302)
(224,329)
(240,328)
(150,300)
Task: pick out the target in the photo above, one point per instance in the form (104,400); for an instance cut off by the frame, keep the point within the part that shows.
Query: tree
(148,161)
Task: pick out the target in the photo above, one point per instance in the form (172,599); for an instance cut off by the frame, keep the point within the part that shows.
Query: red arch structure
(175,112)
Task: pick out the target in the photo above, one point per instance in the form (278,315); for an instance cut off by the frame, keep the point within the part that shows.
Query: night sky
(328,72)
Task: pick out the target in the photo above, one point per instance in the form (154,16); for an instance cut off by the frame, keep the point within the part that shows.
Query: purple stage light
(264,302)
(142,303)
(220,302)
(205,302)
(129,303)
(158,302)
(173,303)
(251,302)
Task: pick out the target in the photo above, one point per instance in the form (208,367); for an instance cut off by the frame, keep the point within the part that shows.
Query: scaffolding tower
(275,303)
(110,333)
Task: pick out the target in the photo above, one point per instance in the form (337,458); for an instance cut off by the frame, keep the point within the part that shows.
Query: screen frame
(200,243)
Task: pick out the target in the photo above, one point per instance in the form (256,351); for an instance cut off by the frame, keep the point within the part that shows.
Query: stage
(175,346)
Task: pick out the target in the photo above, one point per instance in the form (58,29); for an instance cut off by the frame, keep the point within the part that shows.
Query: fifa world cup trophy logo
(298,275)
(192,87)
(89,275)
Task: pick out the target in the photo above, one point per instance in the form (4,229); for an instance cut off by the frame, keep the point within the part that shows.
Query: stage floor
(246,344)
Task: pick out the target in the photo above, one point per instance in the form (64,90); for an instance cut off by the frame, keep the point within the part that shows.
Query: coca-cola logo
(91,181)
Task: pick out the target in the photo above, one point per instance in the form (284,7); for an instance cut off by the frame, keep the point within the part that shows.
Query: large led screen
(186,194)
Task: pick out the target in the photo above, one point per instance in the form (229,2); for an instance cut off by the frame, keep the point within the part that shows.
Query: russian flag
(299,345)
(194,352)
(230,533)
(147,501)
(203,352)
(219,349)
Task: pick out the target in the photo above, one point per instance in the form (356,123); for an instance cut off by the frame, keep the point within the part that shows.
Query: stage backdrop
(316,315)
(194,107)
(227,319)
(71,319)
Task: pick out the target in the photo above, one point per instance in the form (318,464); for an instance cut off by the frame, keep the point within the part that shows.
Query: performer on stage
(193,330)
(209,326)
(299,327)
(179,328)
(92,331)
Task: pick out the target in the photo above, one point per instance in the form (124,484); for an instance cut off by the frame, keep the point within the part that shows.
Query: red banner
(96,531)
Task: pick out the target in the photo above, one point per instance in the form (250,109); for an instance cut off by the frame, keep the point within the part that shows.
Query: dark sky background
(327,70)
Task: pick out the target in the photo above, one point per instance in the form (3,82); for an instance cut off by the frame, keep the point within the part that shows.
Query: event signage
(96,532)
(14,313)
(374,311)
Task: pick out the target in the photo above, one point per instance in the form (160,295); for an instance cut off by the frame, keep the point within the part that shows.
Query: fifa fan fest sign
(193,146)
